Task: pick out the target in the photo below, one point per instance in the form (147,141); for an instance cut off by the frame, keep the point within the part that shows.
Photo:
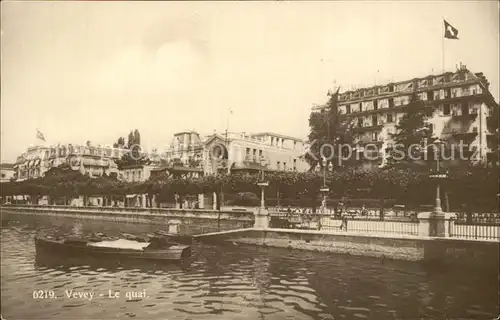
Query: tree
(120,143)
(130,141)
(134,156)
(137,137)
(328,128)
(411,132)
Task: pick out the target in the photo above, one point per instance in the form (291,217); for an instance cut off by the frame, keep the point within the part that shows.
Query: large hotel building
(462,104)
(188,155)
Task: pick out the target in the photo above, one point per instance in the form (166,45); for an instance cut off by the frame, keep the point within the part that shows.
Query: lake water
(227,282)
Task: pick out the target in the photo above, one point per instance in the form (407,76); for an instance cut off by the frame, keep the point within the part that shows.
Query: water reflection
(230,282)
(44,261)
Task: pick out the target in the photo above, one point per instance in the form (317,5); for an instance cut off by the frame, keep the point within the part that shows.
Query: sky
(92,71)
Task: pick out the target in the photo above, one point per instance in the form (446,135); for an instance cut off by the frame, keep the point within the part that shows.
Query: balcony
(463,117)
(252,163)
(367,128)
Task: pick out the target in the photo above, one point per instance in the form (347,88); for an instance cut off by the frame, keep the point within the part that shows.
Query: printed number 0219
(43,294)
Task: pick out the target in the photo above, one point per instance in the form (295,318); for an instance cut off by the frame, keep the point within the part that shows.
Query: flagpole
(442,42)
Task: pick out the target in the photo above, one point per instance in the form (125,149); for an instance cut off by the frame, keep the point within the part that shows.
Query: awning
(131,196)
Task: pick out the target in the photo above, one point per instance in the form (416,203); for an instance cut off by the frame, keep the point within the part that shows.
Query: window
(278,165)
(391,88)
(430,96)
(446,109)
(375,105)
(465,108)
(260,154)
(272,142)
(389,117)
(248,151)
(374,120)
(348,108)
(360,122)
(294,164)
(391,102)
(284,166)
(374,136)
(139,174)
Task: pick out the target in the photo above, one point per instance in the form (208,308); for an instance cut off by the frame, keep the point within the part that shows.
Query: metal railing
(476,226)
(357,220)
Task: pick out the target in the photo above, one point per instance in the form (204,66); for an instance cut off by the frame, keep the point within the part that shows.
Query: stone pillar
(214,203)
(174,226)
(425,228)
(144,203)
(201,201)
(432,224)
(442,222)
(177,202)
(261,218)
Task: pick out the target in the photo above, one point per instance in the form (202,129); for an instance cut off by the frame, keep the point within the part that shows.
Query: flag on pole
(450,32)
(39,135)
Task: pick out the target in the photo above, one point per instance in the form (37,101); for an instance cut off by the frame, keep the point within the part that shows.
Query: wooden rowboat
(154,249)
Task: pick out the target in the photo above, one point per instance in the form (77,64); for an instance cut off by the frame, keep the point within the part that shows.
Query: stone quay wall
(191,221)
(433,251)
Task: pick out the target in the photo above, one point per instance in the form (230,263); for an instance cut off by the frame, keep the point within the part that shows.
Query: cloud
(184,28)
(173,68)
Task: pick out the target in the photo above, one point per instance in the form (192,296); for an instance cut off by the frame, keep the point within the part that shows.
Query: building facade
(88,159)
(462,110)
(6,172)
(254,152)
(191,155)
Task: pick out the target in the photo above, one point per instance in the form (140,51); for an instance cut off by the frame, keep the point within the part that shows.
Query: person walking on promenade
(343,216)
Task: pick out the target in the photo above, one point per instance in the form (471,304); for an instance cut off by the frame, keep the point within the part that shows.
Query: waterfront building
(6,172)
(255,152)
(463,107)
(88,159)
(192,155)
(135,172)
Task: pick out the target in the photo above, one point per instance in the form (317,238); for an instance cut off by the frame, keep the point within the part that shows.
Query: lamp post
(262,215)
(437,176)
(325,189)
(262,184)
(440,219)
